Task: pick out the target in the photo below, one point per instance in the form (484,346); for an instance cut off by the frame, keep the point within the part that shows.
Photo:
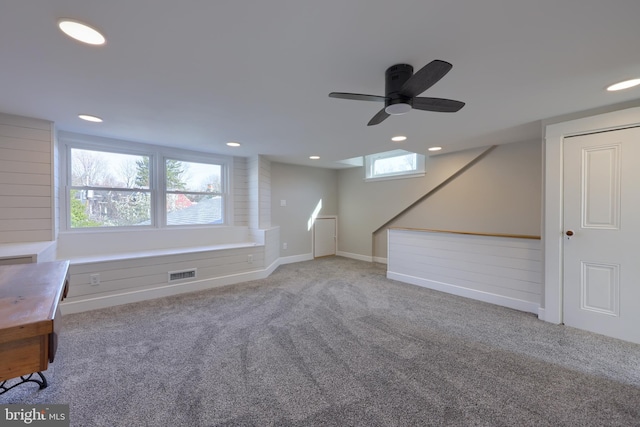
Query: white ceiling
(196,74)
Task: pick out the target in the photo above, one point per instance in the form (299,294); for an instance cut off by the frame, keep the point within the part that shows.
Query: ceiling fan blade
(357,96)
(426,77)
(378,118)
(437,104)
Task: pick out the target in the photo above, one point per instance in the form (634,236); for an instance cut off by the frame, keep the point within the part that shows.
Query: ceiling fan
(402,88)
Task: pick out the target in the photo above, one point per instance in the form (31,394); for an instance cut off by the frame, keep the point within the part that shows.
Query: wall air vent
(181,275)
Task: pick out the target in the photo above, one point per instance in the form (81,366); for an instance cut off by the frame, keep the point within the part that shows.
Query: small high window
(394,164)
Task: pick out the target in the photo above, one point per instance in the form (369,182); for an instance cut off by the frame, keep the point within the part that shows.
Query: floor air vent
(181,275)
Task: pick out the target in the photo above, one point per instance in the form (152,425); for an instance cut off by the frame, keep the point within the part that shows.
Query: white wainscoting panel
(139,276)
(271,246)
(129,280)
(500,270)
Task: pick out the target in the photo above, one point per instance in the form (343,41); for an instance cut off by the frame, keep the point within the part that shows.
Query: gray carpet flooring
(333,342)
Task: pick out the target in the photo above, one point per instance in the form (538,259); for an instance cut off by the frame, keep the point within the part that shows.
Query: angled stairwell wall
(478,234)
(366,206)
(499,191)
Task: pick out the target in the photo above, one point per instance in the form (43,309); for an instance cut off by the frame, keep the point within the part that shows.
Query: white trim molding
(553,197)
(504,301)
(127,297)
(359,257)
(295,258)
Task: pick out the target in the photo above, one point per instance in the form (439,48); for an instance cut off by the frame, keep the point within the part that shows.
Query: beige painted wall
(303,188)
(365,206)
(502,193)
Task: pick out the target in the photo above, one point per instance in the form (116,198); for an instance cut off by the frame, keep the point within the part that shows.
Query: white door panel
(602,212)
(324,237)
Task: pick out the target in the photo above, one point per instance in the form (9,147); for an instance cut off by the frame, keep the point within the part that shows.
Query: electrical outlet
(284,245)
(95,279)
(250,259)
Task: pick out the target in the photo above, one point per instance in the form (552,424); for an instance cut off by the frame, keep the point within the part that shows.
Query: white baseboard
(271,268)
(295,258)
(542,314)
(513,303)
(355,256)
(104,301)
(126,297)
(380,260)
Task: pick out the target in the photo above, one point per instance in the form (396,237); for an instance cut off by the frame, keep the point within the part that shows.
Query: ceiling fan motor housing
(395,78)
(402,88)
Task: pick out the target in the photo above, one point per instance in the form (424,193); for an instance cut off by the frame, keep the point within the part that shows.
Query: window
(134,185)
(108,189)
(394,164)
(194,192)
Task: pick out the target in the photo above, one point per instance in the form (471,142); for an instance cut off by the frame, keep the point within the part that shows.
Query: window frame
(369,165)
(69,187)
(157,184)
(224,190)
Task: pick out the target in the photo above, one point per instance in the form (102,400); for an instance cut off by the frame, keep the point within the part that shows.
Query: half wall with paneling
(503,270)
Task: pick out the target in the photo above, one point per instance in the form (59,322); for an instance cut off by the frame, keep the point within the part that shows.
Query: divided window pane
(108,189)
(91,168)
(194,193)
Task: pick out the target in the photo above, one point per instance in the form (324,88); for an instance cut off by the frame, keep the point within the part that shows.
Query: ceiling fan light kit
(398,108)
(402,88)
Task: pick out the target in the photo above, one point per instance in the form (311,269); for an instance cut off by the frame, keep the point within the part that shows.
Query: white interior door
(601,279)
(324,237)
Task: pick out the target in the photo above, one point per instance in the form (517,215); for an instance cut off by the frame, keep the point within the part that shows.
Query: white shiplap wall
(272,247)
(253,164)
(132,279)
(259,173)
(56,184)
(499,270)
(264,199)
(26,171)
(241,206)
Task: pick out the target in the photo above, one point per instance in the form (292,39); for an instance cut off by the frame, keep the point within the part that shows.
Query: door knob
(569,233)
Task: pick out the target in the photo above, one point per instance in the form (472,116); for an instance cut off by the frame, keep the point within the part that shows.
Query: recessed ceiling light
(314,157)
(233,144)
(81,32)
(90,118)
(435,148)
(399,138)
(624,85)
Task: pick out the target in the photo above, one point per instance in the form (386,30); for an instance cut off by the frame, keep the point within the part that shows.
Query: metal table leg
(24,379)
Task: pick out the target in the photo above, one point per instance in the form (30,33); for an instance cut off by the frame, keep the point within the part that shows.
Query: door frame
(553,227)
(313,235)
